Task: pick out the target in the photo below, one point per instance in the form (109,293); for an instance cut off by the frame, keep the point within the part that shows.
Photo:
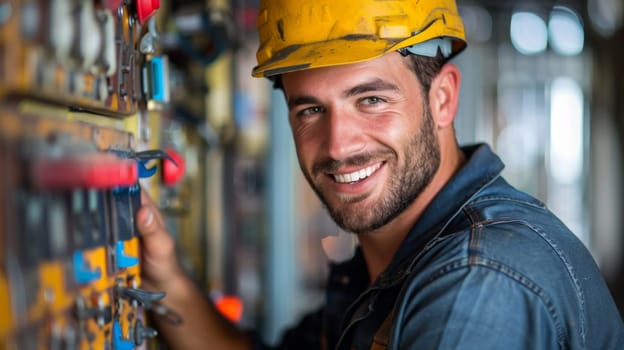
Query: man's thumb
(145,218)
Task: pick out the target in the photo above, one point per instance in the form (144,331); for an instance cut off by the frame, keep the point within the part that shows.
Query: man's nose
(345,136)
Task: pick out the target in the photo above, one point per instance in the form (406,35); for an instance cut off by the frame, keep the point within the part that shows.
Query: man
(450,256)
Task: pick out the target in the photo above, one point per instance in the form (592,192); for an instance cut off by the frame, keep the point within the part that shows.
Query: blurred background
(543,83)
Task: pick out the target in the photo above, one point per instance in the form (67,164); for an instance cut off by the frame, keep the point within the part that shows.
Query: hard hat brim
(338,52)
(322,54)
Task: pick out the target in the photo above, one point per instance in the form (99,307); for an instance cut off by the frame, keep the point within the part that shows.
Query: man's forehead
(382,70)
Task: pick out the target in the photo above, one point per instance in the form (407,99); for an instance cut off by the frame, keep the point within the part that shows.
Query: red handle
(97,171)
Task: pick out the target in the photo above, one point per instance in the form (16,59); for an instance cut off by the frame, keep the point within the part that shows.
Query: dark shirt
(485,267)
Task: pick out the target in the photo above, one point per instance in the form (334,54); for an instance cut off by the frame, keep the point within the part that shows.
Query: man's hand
(162,272)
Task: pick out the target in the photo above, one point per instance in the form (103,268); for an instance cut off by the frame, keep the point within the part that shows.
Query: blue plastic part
(144,171)
(118,342)
(159,87)
(430,47)
(124,261)
(82,272)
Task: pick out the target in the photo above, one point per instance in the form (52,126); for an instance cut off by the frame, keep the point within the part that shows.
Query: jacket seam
(520,279)
(562,257)
(535,204)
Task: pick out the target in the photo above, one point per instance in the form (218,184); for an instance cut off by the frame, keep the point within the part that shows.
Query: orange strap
(380,340)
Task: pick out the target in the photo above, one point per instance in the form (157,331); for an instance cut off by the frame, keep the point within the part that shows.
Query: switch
(144,157)
(144,297)
(109,48)
(90,35)
(144,171)
(146,9)
(82,271)
(123,260)
(119,343)
(159,78)
(61,28)
(150,39)
(173,170)
(141,332)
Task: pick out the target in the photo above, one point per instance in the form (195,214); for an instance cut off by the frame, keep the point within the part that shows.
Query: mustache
(330,165)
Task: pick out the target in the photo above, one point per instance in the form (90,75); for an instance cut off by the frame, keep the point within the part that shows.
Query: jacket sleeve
(474,306)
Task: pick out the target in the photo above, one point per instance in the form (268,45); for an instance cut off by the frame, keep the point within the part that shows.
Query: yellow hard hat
(303,34)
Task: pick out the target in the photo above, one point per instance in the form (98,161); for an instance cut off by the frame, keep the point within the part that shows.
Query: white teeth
(357,175)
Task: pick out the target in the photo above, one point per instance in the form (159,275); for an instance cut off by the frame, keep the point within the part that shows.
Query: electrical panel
(79,82)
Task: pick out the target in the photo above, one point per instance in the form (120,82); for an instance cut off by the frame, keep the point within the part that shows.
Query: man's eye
(310,111)
(371,100)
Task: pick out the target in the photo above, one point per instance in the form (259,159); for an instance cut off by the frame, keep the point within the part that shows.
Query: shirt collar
(481,168)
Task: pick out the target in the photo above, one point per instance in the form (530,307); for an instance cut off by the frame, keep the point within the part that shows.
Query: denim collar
(482,167)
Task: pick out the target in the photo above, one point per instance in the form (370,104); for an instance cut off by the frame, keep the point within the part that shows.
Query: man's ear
(444,95)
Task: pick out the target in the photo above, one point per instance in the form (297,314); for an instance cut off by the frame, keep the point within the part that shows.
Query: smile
(357,175)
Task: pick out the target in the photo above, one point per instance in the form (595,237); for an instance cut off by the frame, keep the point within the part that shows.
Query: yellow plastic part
(96,259)
(296,35)
(5,304)
(132,247)
(52,295)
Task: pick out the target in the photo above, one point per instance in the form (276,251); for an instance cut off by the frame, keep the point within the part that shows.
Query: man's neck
(380,246)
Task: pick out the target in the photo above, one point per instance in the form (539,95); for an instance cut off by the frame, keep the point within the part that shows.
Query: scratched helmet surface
(303,34)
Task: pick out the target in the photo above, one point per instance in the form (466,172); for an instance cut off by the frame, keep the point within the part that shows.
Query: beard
(407,181)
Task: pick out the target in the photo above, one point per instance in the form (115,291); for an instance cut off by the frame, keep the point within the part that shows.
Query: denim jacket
(485,267)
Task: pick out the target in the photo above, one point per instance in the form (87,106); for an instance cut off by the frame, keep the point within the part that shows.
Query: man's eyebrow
(374,85)
(301,100)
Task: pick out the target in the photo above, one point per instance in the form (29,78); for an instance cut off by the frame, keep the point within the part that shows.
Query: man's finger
(147,201)
(146,219)
(156,239)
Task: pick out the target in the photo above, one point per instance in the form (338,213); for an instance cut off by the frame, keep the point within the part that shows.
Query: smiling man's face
(365,138)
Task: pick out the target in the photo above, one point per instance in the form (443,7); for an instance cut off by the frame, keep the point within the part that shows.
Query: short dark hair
(426,68)
(277,82)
